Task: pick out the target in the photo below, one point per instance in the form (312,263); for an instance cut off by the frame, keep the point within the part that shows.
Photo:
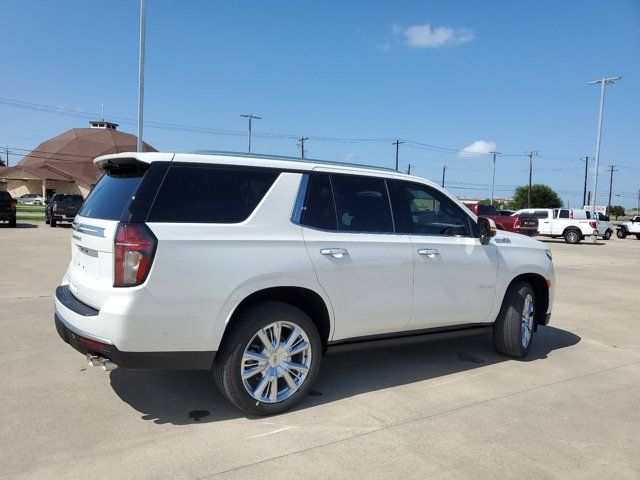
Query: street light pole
(493,181)
(604,81)
(250,117)
(530,155)
(143,15)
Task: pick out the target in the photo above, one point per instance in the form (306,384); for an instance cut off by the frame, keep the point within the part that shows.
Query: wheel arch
(541,294)
(303,298)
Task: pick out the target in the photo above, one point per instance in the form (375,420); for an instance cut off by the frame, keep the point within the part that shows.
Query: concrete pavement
(452,409)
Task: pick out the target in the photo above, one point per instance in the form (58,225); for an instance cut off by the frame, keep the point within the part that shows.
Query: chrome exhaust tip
(94,360)
(108,365)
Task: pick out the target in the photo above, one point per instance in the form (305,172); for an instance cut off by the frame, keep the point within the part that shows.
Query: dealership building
(64,164)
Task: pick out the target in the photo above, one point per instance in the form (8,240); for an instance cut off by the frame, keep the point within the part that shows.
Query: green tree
(615,211)
(542,196)
(2,164)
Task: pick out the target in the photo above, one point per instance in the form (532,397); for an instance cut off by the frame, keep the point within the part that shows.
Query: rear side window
(110,197)
(202,194)
(540,213)
(563,214)
(4,196)
(487,210)
(319,209)
(362,204)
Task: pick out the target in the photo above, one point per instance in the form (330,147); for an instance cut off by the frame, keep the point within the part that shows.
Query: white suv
(253,266)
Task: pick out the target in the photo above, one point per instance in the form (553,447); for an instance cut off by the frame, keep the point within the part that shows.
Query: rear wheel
(269,359)
(12,222)
(572,236)
(513,329)
(638,236)
(607,235)
(52,222)
(621,234)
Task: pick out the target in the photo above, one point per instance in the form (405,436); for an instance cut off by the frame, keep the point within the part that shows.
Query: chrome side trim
(88,229)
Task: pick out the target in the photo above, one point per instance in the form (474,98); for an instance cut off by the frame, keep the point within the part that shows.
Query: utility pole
(589,197)
(637,211)
(397,144)
(493,181)
(611,170)
(586,173)
(7,150)
(604,81)
(143,18)
(530,155)
(250,117)
(301,140)
(409,168)
(444,170)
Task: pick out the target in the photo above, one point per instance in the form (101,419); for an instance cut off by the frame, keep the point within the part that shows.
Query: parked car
(570,224)
(631,227)
(253,267)
(30,199)
(7,208)
(62,207)
(605,227)
(524,224)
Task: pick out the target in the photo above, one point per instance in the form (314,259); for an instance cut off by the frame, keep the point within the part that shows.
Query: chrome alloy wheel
(276,362)
(527,321)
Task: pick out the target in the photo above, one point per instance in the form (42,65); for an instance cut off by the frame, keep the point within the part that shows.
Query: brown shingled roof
(69,156)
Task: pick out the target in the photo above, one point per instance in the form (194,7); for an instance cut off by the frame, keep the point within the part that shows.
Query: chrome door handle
(334,252)
(428,252)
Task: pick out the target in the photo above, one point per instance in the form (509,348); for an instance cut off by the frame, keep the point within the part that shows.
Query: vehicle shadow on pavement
(584,242)
(19,225)
(186,397)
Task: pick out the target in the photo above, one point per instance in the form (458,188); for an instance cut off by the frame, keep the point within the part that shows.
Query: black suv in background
(7,209)
(62,207)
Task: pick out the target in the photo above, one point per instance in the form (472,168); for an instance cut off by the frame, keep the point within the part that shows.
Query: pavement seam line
(413,420)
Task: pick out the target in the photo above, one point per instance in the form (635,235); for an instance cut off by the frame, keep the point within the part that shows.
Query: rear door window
(362,204)
(205,194)
(319,209)
(110,197)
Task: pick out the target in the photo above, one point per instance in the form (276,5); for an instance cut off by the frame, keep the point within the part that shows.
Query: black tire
(12,222)
(52,222)
(572,236)
(46,220)
(621,234)
(607,235)
(227,366)
(508,327)
(638,236)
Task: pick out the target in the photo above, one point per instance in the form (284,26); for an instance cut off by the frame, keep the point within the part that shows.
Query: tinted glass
(362,204)
(563,214)
(487,210)
(422,210)
(319,210)
(199,194)
(110,197)
(540,213)
(4,196)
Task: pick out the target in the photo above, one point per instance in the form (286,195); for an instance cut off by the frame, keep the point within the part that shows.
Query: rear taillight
(12,206)
(134,247)
(570,213)
(517,223)
(593,225)
(54,207)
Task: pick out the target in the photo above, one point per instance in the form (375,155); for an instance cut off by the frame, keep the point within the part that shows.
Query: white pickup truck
(571,224)
(630,228)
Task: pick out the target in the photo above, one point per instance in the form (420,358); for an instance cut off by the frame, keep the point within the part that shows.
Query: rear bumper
(7,216)
(87,342)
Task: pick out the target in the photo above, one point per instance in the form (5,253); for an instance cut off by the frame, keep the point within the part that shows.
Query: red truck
(524,224)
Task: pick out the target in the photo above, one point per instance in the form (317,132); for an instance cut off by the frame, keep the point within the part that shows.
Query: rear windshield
(487,210)
(68,198)
(5,196)
(110,197)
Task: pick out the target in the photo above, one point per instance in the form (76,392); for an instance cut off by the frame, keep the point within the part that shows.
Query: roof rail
(291,159)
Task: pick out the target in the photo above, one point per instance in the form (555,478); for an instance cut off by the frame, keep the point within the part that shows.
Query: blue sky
(446,74)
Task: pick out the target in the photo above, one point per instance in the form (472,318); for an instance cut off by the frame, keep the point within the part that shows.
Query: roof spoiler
(105,161)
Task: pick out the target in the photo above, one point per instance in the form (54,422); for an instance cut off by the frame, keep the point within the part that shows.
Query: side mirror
(486,229)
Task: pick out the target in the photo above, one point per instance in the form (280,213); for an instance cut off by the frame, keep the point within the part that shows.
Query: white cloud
(479,147)
(384,46)
(423,36)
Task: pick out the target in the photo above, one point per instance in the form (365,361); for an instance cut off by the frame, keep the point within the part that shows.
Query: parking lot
(449,409)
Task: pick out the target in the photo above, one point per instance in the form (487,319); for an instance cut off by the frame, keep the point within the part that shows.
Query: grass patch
(35,218)
(30,208)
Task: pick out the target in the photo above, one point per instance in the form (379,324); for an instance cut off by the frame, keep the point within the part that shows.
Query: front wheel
(513,329)
(607,235)
(269,359)
(638,236)
(621,234)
